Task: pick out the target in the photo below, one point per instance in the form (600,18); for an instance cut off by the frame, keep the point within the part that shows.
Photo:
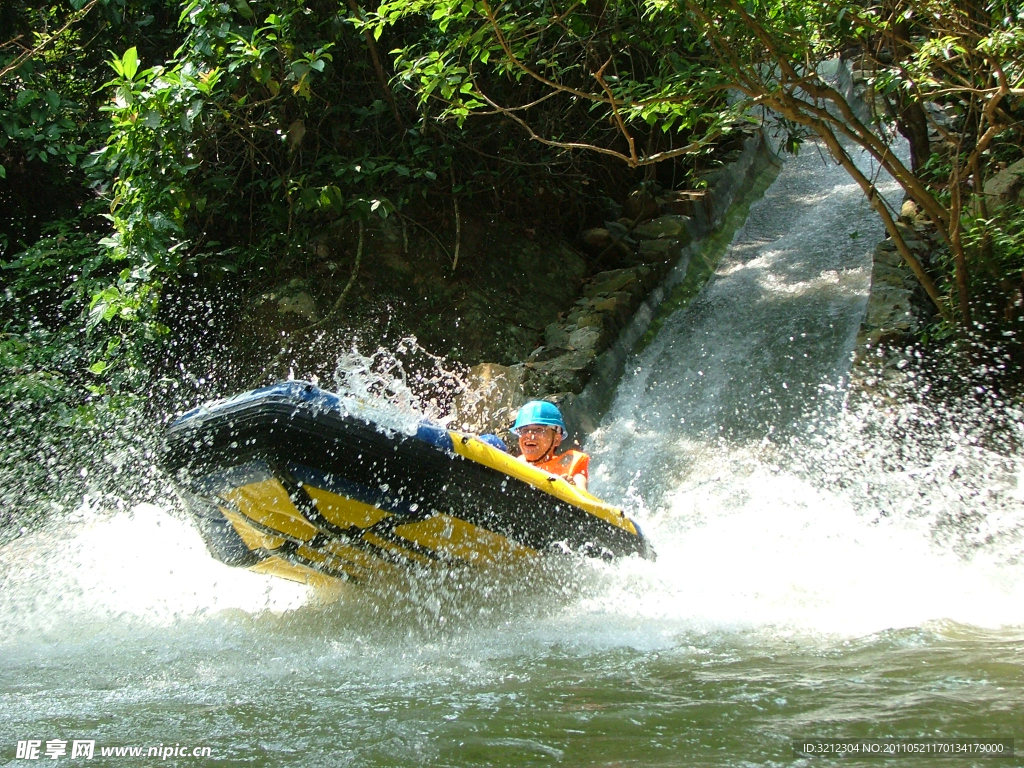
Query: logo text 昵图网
(54,749)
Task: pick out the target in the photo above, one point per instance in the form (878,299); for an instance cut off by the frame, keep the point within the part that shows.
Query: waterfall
(773,502)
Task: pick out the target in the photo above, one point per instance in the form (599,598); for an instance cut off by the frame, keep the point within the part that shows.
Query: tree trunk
(910,116)
(913,124)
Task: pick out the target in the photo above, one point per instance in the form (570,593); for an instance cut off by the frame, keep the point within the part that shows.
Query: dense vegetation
(151,148)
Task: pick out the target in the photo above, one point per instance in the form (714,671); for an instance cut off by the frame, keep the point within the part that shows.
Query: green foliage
(55,274)
(221,135)
(43,123)
(997,247)
(619,75)
(250,134)
(605,78)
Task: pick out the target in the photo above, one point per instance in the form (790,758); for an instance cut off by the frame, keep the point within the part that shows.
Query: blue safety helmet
(540,412)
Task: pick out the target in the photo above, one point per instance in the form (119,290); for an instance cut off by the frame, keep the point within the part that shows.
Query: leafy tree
(967,58)
(271,121)
(56,407)
(627,80)
(672,65)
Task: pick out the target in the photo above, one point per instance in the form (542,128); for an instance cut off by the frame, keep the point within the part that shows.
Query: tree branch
(28,54)
(503,42)
(631,161)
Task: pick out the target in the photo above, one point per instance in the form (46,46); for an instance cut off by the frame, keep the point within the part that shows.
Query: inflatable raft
(293,480)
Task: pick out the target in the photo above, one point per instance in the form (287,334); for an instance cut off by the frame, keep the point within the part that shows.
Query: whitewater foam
(140,567)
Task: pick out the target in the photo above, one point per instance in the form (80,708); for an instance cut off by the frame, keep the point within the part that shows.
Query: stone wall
(898,307)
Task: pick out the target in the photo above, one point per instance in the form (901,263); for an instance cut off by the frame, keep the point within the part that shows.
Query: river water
(826,570)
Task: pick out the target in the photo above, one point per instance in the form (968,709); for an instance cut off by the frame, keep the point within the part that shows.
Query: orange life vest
(568,465)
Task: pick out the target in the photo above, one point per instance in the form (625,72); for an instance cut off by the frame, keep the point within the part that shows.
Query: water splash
(774,504)
(404,378)
(144,568)
(116,562)
(752,545)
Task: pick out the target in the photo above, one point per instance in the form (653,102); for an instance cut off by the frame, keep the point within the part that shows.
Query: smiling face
(536,441)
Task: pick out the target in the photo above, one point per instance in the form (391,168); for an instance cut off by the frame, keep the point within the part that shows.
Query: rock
(301,304)
(569,360)
(600,239)
(619,228)
(648,277)
(610,282)
(563,374)
(1005,187)
(293,298)
(944,117)
(686,202)
(606,305)
(664,226)
(581,308)
(587,338)
(597,238)
(556,335)
(391,229)
(609,305)
(543,354)
(911,237)
(397,262)
(665,249)
(520,340)
(589,320)
(909,211)
(640,205)
(886,274)
(619,307)
(891,309)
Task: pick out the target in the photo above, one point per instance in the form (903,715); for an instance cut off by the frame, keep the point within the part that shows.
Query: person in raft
(540,429)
